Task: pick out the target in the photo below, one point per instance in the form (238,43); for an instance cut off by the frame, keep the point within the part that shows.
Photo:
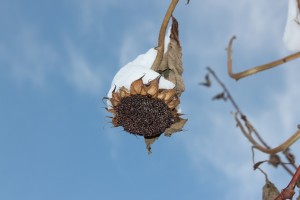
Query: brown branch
(288,192)
(257,69)
(275,150)
(161,38)
(250,128)
(234,104)
(266,149)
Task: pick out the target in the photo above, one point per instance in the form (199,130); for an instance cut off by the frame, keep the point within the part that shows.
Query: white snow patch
(141,66)
(291,36)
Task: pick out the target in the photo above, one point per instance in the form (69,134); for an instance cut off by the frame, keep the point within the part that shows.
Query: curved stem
(257,69)
(161,38)
(275,150)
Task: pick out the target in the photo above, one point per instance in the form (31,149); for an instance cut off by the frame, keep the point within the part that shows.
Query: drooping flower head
(144,109)
(143,101)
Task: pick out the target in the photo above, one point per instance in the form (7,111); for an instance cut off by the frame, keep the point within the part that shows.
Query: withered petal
(136,86)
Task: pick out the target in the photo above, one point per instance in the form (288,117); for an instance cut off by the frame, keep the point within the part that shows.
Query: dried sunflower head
(143,102)
(144,109)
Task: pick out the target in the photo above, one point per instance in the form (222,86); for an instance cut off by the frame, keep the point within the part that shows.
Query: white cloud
(81,73)
(92,13)
(134,41)
(28,57)
(292,28)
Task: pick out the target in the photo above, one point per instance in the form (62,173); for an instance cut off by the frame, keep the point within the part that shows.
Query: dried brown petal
(161,94)
(169,95)
(113,111)
(144,90)
(116,96)
(124,92)
(136,86)
(115,122)
(152,89)
(174,103)
(114,102)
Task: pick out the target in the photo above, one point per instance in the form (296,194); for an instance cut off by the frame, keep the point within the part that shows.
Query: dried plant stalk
(257,69)
(247,129)
(161,38)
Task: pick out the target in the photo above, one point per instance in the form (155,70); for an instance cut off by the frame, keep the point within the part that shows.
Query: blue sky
(57,60)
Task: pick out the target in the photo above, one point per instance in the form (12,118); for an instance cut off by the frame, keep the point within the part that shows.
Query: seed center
(143,115)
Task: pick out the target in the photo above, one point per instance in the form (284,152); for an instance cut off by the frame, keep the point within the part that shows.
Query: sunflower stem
(161,38)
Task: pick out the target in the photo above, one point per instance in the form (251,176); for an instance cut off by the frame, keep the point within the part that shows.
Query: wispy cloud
(135,40)
(81,73)
(28,57)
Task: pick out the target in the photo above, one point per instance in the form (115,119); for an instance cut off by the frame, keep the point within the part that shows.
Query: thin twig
(230,98)
(225,89)
(244,118)
(161,38)
(275,150)
(257,69)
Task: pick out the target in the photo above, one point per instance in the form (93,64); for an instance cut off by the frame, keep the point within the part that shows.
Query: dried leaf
(207,81)
(256,165)
(289,156)
(172,60)
(176,127)
(220,96)
(274,160)
(149,142)
(270,192)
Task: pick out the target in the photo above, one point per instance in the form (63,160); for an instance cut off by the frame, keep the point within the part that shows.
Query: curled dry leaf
(149,142)
(256,165)
(289,156)
(270,192)
(274,160)
(171,64)
(176,127)
(207,82)
(220,96)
